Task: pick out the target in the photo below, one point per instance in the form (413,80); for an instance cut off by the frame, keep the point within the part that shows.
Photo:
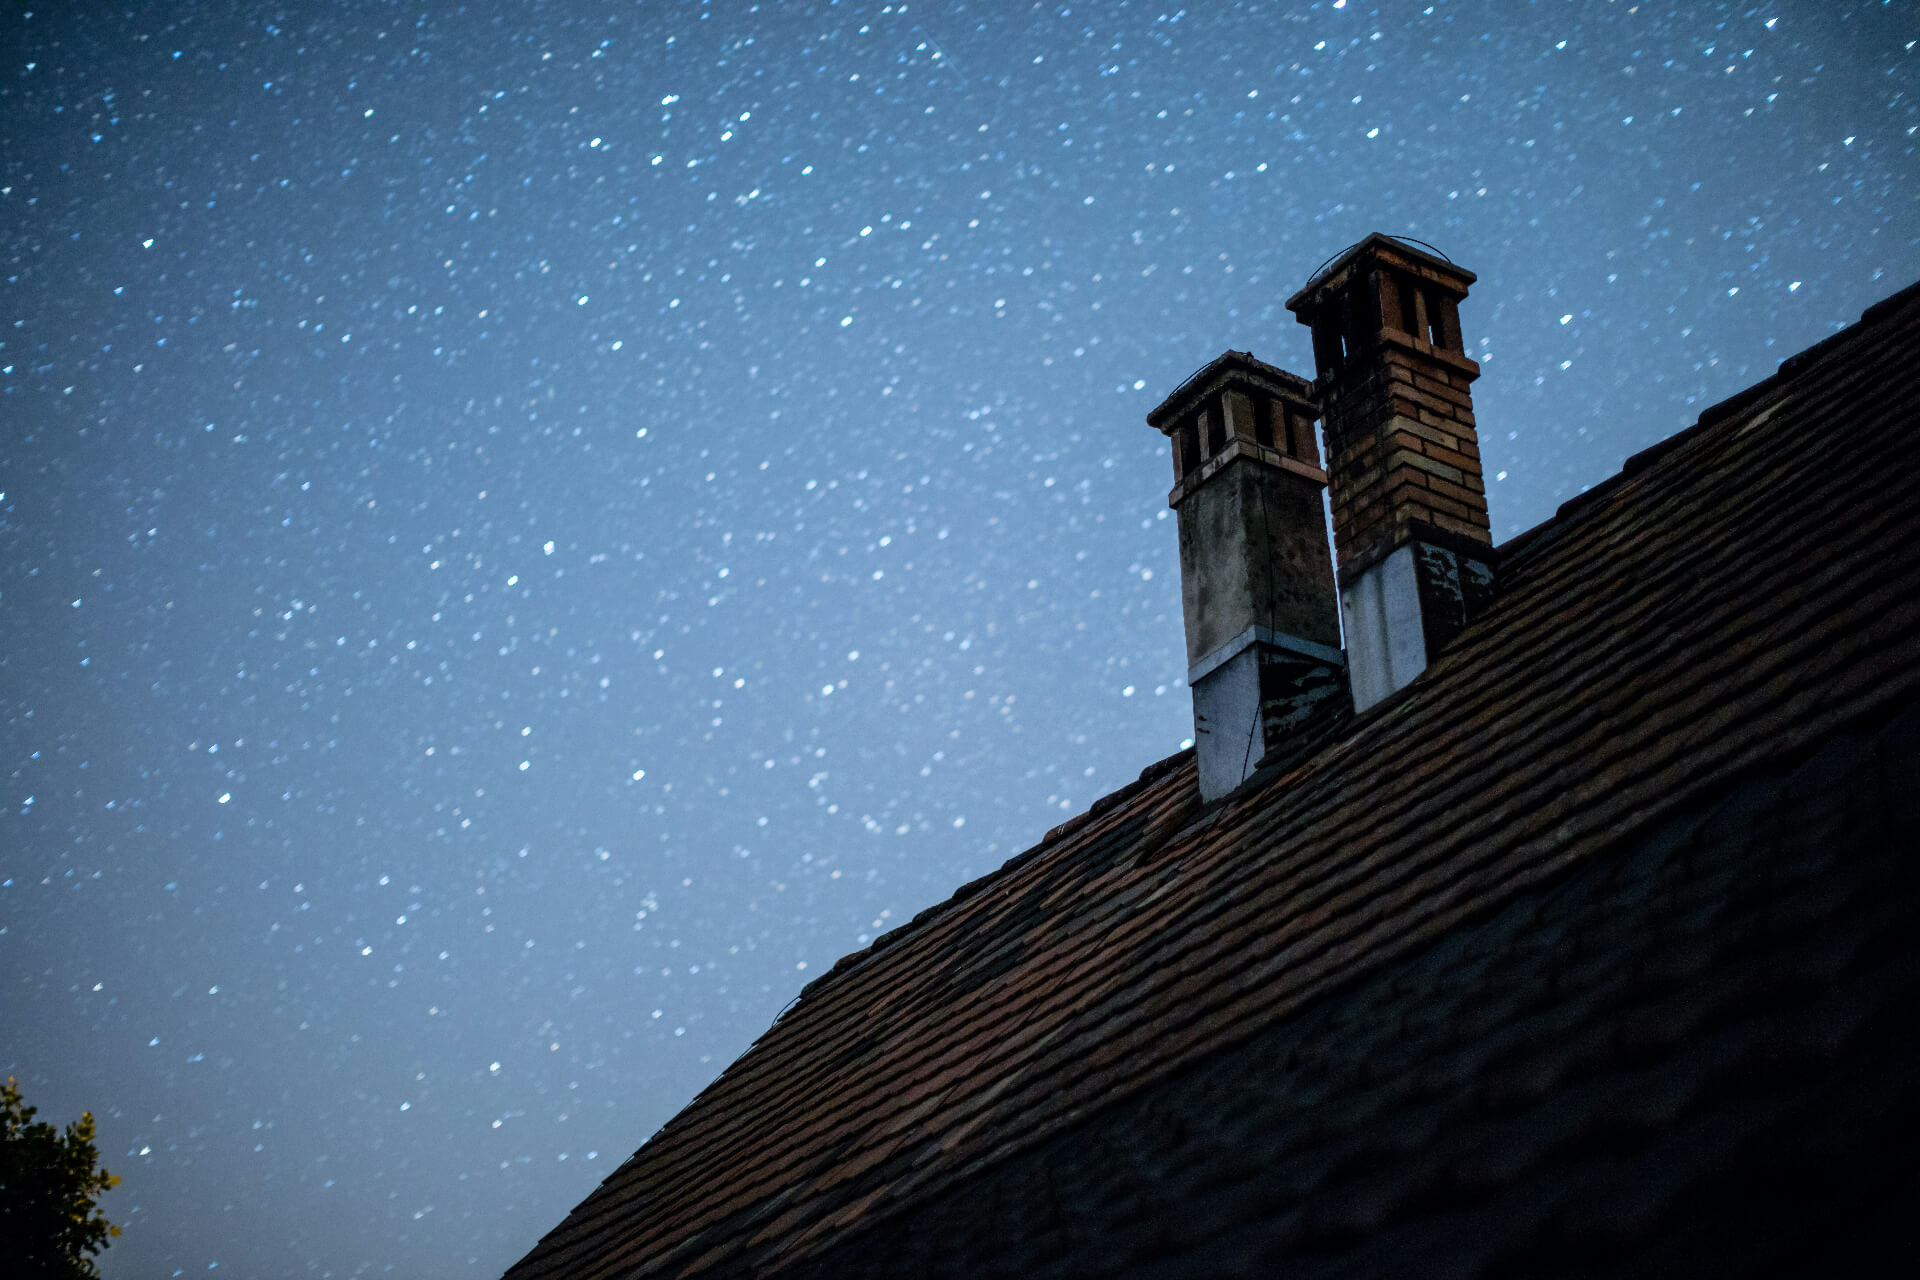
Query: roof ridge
(1789,371)
(1104,804)
(925,920)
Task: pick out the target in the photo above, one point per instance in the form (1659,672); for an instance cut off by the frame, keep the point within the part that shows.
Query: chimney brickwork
(1257,588)
(1410,520)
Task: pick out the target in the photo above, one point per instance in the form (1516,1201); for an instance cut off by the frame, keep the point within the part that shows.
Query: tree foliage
(49,1225)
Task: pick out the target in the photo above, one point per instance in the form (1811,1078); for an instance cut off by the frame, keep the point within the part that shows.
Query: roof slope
(1733,599)
(1692,1055)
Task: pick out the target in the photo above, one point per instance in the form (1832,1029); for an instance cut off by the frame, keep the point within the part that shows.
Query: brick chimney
(1256,576)
(1409,506)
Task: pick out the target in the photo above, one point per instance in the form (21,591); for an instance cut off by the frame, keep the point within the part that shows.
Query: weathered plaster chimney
(1409,506)
(1256,576)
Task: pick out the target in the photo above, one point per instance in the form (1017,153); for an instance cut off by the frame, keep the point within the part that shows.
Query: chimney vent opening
(1187,449)
(1326,346)
(1300,441)
(1407,294)
(1443,314)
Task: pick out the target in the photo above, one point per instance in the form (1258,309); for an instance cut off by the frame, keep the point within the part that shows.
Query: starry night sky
(529,530)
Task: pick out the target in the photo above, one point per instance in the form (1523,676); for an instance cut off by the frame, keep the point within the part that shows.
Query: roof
(1737,601)
(1693,1055)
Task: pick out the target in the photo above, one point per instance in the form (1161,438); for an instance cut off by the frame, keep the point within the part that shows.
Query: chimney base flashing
(1262,704)
(1403,609)
(1226,723)
(1386,641)
(1324,654)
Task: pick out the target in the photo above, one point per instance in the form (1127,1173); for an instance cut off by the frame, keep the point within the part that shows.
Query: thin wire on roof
(1437,252)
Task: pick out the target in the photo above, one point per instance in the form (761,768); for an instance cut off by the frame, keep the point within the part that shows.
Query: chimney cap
(1407,254)
(1231,366)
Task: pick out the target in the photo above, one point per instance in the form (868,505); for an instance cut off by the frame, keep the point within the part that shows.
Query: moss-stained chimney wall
(1256,574)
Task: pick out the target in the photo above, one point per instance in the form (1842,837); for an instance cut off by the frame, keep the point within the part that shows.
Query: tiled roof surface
(1694,1054)
(1731,601)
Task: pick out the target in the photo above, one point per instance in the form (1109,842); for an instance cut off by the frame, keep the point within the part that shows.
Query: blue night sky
(529,530)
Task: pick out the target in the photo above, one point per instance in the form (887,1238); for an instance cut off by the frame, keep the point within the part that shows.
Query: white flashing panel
(1226,723)
(1386,645)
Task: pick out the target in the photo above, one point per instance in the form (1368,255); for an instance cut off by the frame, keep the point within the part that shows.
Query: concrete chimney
(1256,575)
(1409,506)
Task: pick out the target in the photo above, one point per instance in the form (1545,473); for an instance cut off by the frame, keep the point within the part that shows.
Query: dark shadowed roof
(1693,1054)
(1736,601)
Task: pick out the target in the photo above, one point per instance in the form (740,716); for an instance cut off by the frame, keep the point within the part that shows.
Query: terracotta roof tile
(1699,1046)
(1733,598)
